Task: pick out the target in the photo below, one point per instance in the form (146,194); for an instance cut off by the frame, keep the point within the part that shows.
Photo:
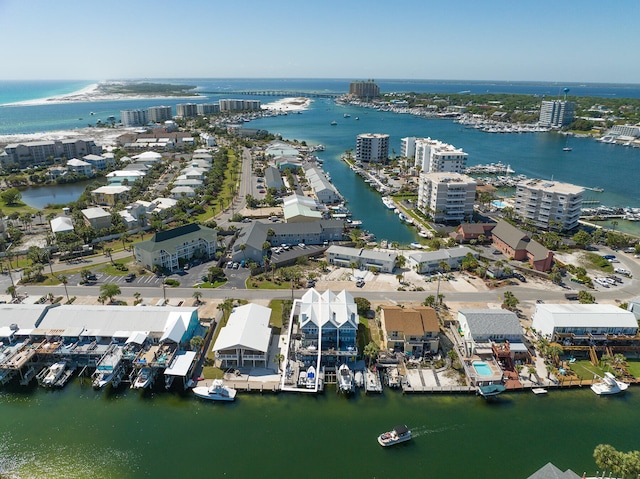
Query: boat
(398,434)
(608,385)
(345,379)
(566,148)
(311,378)
(388,202)
(490,390)
(54,373)
(144,378)
(402,217)
(538,391)
(334,123)
(424,234)
(359,379)
(357,118)
(346,115)
(109,369)
(216,392)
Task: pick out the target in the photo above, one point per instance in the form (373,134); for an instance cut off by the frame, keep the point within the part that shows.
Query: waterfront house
(432,261)
(172,248)
(322,188)
(244,341)
(414,331)
(80,167)
(383,261)
(182,192)
(576,324)
(100,162)
(517,244)
(299,208)
(329,323)
(97,218)
(479,328)
(634,306)
(182,180)
(148,158)
(109,195)
(467,232)
(127,176)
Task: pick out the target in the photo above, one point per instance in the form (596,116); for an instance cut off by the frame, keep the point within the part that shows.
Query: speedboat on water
(490,390)
(54,373)
(216,392)
(311,377)
(143,379)
(397,435)
(609,385)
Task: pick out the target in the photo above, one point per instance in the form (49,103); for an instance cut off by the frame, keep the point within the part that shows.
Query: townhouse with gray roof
(431,261)
(383,261)
(481,327)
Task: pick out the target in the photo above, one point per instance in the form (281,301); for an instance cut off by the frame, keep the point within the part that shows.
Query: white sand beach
(102,136)
(289,104)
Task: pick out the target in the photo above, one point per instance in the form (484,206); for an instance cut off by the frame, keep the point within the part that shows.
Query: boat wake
(425,430)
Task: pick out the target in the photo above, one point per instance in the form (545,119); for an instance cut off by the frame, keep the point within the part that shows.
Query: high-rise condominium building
(186,110)
(159,114)
(372,147)
(556,113)
(446,197)
(364,89)
(433,156)
(549,204)
(134,117)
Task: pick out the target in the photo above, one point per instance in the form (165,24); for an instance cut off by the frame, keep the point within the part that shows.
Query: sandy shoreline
(102,136)
(289,104)
(93,93)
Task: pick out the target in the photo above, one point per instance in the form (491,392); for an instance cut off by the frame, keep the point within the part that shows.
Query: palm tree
(554,351)
(124,238)
(353,265)
(64,280)
(108,251)
(12,291)
(429,301)
(226,306)
(197,295)
(279,357)
(371,351)
(110,291)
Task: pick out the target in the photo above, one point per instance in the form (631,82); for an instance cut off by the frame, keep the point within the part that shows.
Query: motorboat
(334,123)
(397,435)
(143,379)
(311,378)
(608,385)
(388,202)
(359,379)
(345,379)
(490,390)
(539,391)
(567,149)
(216,392)
(54,373)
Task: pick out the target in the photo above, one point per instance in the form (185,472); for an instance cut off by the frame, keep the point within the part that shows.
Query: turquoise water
(499,204)
(18,91)
(482,368)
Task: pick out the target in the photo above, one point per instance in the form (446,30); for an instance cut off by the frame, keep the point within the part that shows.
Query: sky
(542,40)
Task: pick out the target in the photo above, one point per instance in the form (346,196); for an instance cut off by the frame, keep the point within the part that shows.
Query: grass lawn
(266,284)
(208,285)
(585,370)
(633,365)
(598,262)
(113,270)
(276,313)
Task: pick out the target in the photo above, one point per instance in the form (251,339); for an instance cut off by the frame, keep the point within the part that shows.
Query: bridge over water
(275,93)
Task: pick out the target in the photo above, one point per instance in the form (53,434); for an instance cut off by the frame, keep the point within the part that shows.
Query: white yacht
(608,385)
(216,392)
(345,379)
(397,435)
(311,378)
(54,373)
(388,202)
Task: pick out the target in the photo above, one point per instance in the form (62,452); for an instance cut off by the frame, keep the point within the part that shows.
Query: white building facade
(446,197)
(549,204)
(433,156)
(556,113)
(372,147)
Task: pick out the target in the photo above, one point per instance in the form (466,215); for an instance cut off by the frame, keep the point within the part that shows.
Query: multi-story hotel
(549,204)
(364,89)
(556,113)
(159,114)
(446,197)
(372,147)
(134,117)
(239,105)
(433,156)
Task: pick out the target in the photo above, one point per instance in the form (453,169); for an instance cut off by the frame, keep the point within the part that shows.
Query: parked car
(229,264)
(130,277)
(92,277)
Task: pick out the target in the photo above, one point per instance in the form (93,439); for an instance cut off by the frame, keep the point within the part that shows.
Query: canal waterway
(81,433)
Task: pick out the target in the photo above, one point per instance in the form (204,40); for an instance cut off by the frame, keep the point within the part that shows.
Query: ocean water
(12,91)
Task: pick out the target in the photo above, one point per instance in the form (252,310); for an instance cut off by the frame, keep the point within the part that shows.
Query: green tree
(110,291)
(429,301)
(197,295)
(510,301)
(64,280)
(11,196)
(371,351)
(585,297)
(582,238)
(196,343)
(363,305)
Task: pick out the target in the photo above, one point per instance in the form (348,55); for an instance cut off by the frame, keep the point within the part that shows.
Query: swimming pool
(482,368)
(499,204)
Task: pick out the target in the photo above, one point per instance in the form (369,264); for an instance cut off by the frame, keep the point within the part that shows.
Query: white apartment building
(372,147)
(134,117)
(186,110)
(159,114)
(545,202)
(33,153)
(239,105)
(556,113)
(408,147)
(433,156)
(446,197)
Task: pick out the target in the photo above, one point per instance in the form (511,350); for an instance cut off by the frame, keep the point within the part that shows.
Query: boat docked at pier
(55,375)
(345,379)
(216,392)
(398,434)
(388,202)
(109,369)
(490,390)
(608,385)
(143,379)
